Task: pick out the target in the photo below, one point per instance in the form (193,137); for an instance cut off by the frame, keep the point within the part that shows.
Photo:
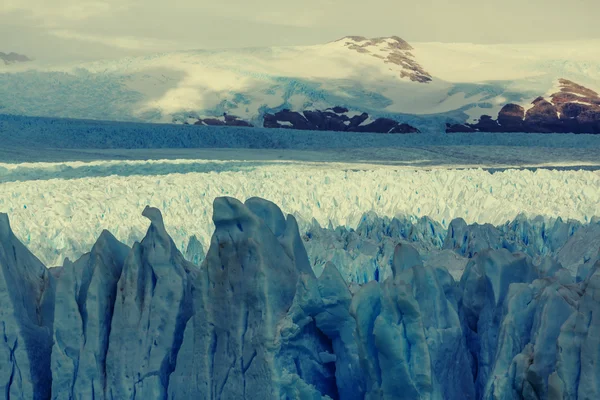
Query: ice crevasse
(253,321)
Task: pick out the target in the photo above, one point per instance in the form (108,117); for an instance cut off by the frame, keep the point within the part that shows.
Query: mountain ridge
(383,77)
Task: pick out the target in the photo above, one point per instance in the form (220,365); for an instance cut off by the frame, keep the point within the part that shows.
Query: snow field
(245,82)
(59,218)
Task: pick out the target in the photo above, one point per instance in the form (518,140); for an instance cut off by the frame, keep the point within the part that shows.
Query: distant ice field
(63,181)
(59,209)
(19,135)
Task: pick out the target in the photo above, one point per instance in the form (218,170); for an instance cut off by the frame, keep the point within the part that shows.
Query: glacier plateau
(62,216)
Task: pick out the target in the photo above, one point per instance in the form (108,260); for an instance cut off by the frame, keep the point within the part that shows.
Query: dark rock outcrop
(339,110)
(574,109)
(228,120)
(358,119)
(331,119)
(457,128)
(334,119)
(286,118)
(510,118)
(543,117)
(386,125)
(571,91)
(487,124)
(327,121)
(405,128)
(392,50)
(589,121)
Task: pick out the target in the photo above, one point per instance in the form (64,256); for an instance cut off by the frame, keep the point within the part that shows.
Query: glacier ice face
(537,237)
(26,313)
(410,335)
(247,284)
(485,285)
(576,375)
(366,253)
(527,340)
(255,321)
(153,304)
(84,304)
(264,326)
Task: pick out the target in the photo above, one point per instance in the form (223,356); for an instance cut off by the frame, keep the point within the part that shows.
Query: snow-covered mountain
(415,83)
(254,321)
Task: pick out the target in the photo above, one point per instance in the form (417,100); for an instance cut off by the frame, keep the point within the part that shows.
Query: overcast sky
(94,29)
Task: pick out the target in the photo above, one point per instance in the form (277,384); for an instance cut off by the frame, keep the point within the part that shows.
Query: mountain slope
(385,77)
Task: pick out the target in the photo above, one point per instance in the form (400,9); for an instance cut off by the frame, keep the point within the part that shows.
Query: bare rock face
(392,50)
(380,125)
(487,124)
(339,110)
(386,125)
(457,128)
(571,91)
(404,128)
(543,116)
(358,119)
(511,118)
(333,119)
(589,121)
(287,119)
(226,120)
(327,120)
(574,108)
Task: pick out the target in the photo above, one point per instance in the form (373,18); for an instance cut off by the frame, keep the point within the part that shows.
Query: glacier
(60,209)
(465,312)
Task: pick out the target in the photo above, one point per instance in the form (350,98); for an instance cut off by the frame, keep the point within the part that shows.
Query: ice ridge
(254,321)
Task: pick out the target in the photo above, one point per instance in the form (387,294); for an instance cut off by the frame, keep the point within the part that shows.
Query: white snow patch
(350,114)
(367,121)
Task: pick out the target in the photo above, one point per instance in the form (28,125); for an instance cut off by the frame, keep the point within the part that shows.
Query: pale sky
(54,30)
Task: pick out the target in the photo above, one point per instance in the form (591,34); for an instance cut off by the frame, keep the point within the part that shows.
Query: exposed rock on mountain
(392,50)
(225,120)
(334,119)
(457,128)
(573,92)
(510,118)
(574,108)
(486,124)
(542,117)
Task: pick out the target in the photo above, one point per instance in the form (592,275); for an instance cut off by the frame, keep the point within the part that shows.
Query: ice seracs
(255,321)
(85,299)
(409,333)
(153,304)
(26,315)
(254,334)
